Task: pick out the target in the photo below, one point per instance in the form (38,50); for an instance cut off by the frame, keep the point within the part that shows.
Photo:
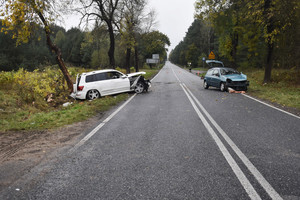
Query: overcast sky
(173,16)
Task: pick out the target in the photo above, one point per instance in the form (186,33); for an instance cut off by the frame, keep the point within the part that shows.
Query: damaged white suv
(100,83)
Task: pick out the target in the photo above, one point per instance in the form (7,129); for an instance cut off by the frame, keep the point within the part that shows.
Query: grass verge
(284,88)
(30,119)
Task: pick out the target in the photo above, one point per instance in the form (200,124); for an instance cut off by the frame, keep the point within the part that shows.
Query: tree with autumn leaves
(22,16)
(257,27)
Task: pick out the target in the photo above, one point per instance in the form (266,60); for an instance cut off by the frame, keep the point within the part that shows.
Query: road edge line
(271,106)
(90,134)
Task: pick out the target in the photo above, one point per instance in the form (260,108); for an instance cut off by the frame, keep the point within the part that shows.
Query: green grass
(15,114)
(284,88)
(150,73)
(28,119)
(200,69)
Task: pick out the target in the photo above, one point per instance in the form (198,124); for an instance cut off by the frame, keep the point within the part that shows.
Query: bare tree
(135,21)
(108,11)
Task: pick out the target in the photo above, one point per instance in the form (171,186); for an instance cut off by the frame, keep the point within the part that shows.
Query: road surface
(179,141)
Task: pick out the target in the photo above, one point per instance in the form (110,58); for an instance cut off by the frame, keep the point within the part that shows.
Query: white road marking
(234,166)
(259,177)
(88,136)
(263,182)
(271,106)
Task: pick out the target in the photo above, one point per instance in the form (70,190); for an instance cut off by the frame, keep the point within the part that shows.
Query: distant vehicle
(224,78)
(214,63)
(100,83)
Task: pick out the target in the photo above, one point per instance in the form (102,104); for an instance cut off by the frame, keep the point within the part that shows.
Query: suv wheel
(139,88)
(92,94)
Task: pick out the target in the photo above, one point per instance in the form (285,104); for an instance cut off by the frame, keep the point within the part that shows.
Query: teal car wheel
(205,85)
(223,87)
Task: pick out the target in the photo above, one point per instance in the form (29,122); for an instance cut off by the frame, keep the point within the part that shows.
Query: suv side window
(113,75)
(100,76)
(90,78)
(95,77)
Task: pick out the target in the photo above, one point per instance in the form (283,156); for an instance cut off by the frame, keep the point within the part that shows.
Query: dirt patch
(22,150)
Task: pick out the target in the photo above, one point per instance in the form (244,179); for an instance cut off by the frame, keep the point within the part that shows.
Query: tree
(21,16)
(258,30)
(274,18)
(107,11)
(197,41)
(155,43)
(131,27)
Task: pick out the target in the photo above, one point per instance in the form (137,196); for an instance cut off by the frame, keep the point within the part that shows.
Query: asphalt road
(179,141)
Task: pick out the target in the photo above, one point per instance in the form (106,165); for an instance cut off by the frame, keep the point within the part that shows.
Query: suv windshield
(227,71)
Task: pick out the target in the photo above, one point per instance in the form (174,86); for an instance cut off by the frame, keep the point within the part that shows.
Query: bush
(121,70)
(132,69)
(34,87)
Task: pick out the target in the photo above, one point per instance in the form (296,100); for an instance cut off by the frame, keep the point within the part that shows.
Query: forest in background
(243,34)
(79,48)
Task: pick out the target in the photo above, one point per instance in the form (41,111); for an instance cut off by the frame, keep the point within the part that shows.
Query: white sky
(174,17)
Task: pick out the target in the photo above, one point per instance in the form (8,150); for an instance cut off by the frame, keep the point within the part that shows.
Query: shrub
(121,70)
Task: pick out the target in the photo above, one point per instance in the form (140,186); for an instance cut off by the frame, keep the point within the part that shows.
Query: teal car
(224,78)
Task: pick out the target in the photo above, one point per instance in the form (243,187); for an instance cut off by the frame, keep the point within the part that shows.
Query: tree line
(258,33)
(79,48)
(120,28)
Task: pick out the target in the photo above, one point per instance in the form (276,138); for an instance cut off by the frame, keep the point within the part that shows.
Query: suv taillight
(80,88)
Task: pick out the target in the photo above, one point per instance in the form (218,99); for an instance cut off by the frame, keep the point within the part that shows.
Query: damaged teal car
(224,78)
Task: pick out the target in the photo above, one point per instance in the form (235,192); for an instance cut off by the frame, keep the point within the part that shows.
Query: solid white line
(272,106)
(259,177)
(234,166)
(88,136)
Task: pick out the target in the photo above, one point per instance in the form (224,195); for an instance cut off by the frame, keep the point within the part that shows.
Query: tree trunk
(269,64)
(128,55)
(136,56)
(270,28)
(57,51)
(111,52)
(235,42)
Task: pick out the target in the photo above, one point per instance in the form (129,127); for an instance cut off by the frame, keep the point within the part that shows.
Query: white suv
(99,83)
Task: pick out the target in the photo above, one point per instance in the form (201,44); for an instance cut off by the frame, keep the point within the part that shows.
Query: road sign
(211,56)
(155,56)
(152,61)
